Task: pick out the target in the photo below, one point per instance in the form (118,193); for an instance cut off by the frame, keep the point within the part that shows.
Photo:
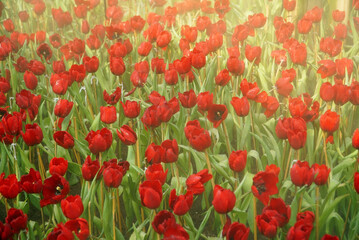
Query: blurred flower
(91,64)
(162,221)
(237,160)
(80,227)
(329,121)
(356,182)
(60,232)
(301,174)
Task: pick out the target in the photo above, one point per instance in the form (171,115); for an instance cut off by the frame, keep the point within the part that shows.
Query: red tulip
(127,135)
(33,134)
(235,66)
(60,232)
(223,199)
(155,172)
(113,98)
(300,230)
(151,194)
(72,206)
(198,59)
(80,227)
(223,78)
(163,39)
(340,31)
(58,166)
(289,5)
(321,173)
(198,137)
(12,123)
(108,114)
(170,148)
(155,153)
(284,86)
(237,160)
(355,139)
(55,189)
(99,141)
(338,16)
(301,174)
(158,65)
(144,49)
(344,66)
(356,182)
(217,113)
(64,139)
(330,46)
(188,99)
(60,83)
(21,64)
(297,133)
(304,25)
(31,182)
(113,174)
(267,225)
(91,64)
(30,80)
(182,65)
(195,182)
(327,68)
(63,108)
(175,231)
(264,185)
(204,101)
(180,204)
(90,168)
(16,219)
(131,109)
(257,20)
(253,53)
(329,237)
(162,221)
(9,187)
(327,92)
(278,211)
(24,99)
(117,66)
(329,121)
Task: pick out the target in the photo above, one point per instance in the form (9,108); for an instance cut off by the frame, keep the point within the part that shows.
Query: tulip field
(179,119)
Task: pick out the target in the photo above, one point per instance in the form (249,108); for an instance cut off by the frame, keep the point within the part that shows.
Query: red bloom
(198,59)
(16,219)
(24,99)
(117,66)
(237,160)
(301,174)
(180,204)
(188,99)
(55,189)
(21,64)
(257,20)
(60,232)
(63,108)
(204,101)
(30,80)
(113,98)
(163,39)
(198,137)
(77,73)
(329,237)
(253,53)
(321,173)
(235,66)
(131,109)
(162,221)
(12,123)
(297,133)
(223,199)
(330,46)
(300,230)
(217,113)
(91,64)
(267,224)
(31,182)
(144,48)
(182,65)
(289,5)
(127,135)
(340,31)
(99,141)
(64,139)
(170,148)
(155,172)
(158,65)
(329,121)
(355,139)
(284,86)
(44,51)
(278,211)
(223,78)
(90,168)
(284,32)
(108,114)
(304,25)
(195,182)
(155,153)
(241,106)
(114,172)
(327,68)
(175,231)
(151,194)
(344,66)
(58,166)
(9,187)
(80,227)
(327,92)
(60,82)
(72,206)
(33,134)
(264,185)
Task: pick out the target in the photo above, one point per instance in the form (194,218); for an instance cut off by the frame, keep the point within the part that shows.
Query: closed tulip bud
(33,134)
(355,139)
(338,16)
(99,141)
(30,80)
(9,186)
(24,99)
(241,106)
(117,66)
(64,139)
(58,166)
(85,27)
(321,173)
(72,206)
(171,152)
(113,174)
(329,121)
(63,108)
(155,172)
(91,64)
(237,160)
(108,114)
(223,200)
(301,174)
(144,48)
(223,78)
(151,194)
(188,99)
(253,54)
(127,135)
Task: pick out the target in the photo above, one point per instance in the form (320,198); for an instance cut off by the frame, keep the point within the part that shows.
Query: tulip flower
(72,206)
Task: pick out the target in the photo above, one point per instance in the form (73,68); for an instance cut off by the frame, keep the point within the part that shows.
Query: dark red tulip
(155,172)
(180,204)
(267,225)
(58,166)
(223,78)
(223,199)
(237,231)
(264,185)
(55,189)
(16,219)
(113,98)
(90,168)
(24,16)
(195,182)
(64,139)
(44,51)
(151,194)
(155,153)
(301,174)
(21,64)
(301,230)
(175,231)
(30,80)
(33,134)
(31,182)
(198,137)
(24,99)
(12,123)
(238,160)
(162,221)
(217,113)
(279,211)
(60,232)
(72,206)
(329,237)
(99,141)
(63,108)
(80,227)
(329,121)
(321,173)
(127,135)
(170,148)
(9,187)
(108,114)
(150,117)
